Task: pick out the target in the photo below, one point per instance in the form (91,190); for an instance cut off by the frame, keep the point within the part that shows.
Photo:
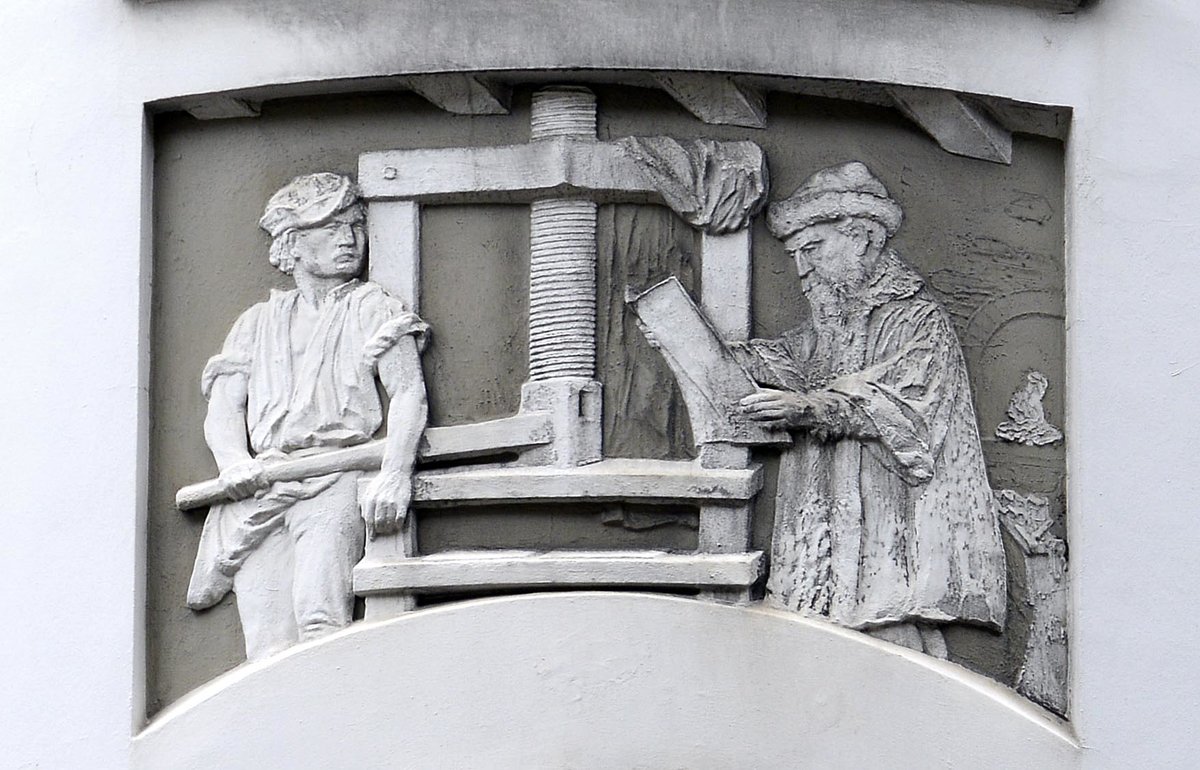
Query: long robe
(886,516)
(298,403)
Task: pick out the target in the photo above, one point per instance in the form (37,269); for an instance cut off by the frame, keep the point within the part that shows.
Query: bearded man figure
(296,377)
(884,518)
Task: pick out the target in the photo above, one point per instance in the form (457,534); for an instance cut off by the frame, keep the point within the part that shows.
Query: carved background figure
(1027,423)
(884,518)
(296,377)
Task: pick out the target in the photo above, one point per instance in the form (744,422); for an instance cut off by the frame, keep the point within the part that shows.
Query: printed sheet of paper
(709,376)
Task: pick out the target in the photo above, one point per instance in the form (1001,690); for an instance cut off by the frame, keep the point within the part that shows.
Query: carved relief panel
(730,341)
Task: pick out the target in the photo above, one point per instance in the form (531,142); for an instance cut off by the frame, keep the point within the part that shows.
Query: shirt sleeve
(387,320)
(236,354)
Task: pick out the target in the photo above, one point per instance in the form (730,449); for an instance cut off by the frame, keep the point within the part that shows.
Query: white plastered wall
(73,153)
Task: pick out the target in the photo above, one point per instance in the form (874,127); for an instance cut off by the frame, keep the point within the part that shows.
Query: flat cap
(845,190)
(307,201)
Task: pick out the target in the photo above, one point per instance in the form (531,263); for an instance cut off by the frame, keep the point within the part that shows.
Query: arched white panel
(602,680)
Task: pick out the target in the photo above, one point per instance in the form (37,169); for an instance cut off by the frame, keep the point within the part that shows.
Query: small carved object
(884,518)
(1027,422)
(296,378)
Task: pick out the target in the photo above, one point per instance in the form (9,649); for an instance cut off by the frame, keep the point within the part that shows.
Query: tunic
(887,515)
(325,397)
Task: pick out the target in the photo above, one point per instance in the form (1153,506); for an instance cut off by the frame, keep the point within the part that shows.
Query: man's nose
(345,234)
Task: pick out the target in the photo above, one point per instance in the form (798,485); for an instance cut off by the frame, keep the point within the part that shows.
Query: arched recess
(989,319)
(602,680)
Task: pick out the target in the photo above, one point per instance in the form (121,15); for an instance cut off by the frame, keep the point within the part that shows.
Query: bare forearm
(225,424)
(386,500)
(406,422)
(385,503)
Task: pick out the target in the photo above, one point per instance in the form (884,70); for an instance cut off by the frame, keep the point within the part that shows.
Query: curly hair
(280,254)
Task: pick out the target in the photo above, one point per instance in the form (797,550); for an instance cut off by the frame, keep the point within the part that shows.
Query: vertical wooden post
(394,231)
(725,297)
(725,282)
(384,549)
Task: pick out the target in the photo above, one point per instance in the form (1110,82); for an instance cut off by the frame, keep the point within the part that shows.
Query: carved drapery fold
(714,186)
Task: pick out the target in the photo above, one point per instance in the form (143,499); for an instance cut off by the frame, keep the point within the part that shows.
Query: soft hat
(845,190)
(307,201)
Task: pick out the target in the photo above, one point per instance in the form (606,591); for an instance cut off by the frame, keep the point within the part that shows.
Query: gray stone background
(979,232)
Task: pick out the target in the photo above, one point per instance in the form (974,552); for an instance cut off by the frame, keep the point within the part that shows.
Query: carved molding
(958,126)
(220,107)
(716,99)
(463,93)
(1062,6)
(719,99)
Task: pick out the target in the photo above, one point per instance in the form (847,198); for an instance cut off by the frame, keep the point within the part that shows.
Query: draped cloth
(299,403)
(887,516)
(714,186)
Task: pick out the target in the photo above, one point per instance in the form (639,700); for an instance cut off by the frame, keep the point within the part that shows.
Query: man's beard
(831,301)
(839,317)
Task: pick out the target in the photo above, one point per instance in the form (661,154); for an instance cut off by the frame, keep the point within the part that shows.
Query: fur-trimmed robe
(889,517)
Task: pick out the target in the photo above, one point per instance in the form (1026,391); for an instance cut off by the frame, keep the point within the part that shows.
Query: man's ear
(862,238)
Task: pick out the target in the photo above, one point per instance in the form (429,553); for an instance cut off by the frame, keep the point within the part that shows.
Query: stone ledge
(473,570)
(607,480)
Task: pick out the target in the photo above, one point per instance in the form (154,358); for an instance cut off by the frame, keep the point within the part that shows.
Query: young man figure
(297,376)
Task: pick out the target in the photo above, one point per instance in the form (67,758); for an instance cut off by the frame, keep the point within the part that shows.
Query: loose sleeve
(386,320)
(775,363)
(905,397)
(236,354)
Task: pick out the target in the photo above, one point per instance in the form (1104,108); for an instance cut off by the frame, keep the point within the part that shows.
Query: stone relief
(562,173)
(1027,423)
(296,378)
(884,518)
(1043,673)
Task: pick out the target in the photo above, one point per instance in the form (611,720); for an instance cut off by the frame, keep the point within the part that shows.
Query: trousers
(297,584)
